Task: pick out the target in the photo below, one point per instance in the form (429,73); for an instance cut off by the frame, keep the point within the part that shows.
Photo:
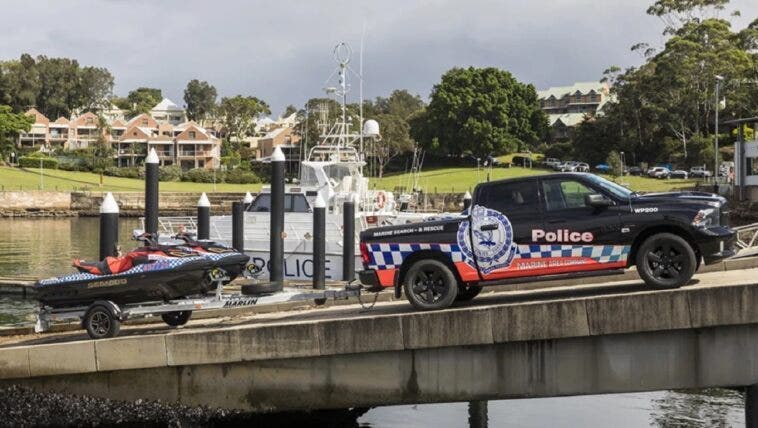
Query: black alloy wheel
(100,323)
(430,284)
(666,260)
(177,318)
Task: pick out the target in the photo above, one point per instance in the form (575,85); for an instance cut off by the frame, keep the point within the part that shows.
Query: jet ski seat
(111,265)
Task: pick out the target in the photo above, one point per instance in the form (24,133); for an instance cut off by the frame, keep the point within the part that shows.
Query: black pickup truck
(554,224)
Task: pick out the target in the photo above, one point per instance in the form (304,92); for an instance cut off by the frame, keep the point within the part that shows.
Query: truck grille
(724,216)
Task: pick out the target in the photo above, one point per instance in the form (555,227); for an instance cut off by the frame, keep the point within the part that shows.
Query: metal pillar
(238,226)
(319,243)
(276,257)
(466,200)
(108,227)
(477,414)
(203,217)
(751,406)
(348,241)
(151,192)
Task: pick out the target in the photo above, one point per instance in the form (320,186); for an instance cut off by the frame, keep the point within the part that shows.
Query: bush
(562,151)
(240,176)
(34,162)
(125,172)
(201,175)
(169,173)
(614,162)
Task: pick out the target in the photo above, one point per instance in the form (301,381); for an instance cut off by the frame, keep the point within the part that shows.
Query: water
(45,247)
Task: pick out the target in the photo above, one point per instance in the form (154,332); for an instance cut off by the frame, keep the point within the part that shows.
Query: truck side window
(512,198)
(564,194)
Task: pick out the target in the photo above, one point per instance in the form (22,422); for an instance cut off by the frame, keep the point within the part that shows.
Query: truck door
(503,218)
(577,236)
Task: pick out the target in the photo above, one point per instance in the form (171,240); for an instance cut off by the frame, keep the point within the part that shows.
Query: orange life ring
(381,199)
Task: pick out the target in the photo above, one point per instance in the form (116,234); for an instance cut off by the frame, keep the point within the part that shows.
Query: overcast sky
(280,51)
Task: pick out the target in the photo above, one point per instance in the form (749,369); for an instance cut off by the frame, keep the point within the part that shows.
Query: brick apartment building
(177,141)
(568,106)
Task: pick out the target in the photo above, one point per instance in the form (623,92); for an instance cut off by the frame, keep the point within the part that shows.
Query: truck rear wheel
(430,284)
(665,260)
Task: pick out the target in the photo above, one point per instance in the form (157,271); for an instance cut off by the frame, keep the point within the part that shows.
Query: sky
(281,51)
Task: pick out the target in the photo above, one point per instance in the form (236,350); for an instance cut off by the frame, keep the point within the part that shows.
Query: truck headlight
(706,217)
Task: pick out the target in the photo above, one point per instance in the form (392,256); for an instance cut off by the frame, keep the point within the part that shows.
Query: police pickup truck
(565,223)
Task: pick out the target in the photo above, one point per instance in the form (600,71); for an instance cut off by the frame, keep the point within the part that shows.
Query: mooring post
(203,217)
(348,241)
(108,227)
(276,257)
(751,406)
(238,226)
(151,192)
(477,414)
(247,200)
(466,200)
(319,243)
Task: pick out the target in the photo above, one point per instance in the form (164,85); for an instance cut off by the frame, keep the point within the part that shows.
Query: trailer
(103,318)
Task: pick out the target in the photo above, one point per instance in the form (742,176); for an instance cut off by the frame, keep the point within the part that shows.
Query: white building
(168,112)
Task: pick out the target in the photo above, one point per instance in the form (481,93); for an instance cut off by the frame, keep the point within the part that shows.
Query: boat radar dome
(371,128)
(248,198)
(152,157)
(278,155)
(109,205)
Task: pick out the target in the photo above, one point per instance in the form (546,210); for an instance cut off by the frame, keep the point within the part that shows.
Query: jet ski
(139,276)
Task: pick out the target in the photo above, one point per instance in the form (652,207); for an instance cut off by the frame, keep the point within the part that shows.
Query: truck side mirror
(597,200)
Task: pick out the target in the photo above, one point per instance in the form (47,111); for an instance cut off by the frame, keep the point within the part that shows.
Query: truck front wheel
(430,284)
(665,260)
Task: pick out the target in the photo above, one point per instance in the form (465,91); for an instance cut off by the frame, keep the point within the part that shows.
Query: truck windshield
(614,189)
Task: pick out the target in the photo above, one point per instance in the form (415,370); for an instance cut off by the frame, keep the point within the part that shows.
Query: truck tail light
(365,258)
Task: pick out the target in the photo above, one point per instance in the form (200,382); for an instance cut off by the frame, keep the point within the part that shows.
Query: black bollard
(238,226)
(276,256)
(108,227)
(248,200)
(477,414)
(203,217)
(151,192)
(466,200)
(751,406)
(319,243)
(348,241)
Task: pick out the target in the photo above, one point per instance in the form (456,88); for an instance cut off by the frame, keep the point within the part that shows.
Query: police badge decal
(492,234)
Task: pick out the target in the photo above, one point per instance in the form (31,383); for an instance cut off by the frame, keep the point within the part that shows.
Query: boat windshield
(308,175)
(337,172)
(293,203)
(615,189)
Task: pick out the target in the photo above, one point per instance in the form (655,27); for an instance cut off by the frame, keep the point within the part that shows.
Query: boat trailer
(103,318)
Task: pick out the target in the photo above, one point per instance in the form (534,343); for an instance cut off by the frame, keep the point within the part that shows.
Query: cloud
(281,51)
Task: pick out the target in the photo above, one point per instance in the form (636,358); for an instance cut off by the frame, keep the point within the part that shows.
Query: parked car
(679,173)
(635,170)
(581,167)
(659,172)
(699,172)
(552,162)
(553,224)
(602,167)
(569,166)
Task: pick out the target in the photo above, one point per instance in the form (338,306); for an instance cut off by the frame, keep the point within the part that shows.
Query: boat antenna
(360,88)
(342,54)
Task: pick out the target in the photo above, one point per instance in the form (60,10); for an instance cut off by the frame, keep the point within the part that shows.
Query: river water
(45,247)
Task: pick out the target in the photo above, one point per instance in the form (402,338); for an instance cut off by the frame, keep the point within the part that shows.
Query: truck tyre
(467,293)
(176,318)
(429,285)
(100,322)
(665,260)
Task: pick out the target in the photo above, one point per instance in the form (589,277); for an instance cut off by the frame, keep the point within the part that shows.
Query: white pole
(716,140)
(41,177)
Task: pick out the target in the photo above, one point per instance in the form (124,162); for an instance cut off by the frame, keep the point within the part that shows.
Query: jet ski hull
(163,279)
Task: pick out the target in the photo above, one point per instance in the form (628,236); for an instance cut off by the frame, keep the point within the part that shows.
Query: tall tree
(482,111)
(238,115)
(289,110)
(395,140)
(95,88)
(200,98)
(11,124)
(142,100)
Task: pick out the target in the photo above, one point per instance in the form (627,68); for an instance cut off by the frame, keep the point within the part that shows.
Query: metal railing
(747,240)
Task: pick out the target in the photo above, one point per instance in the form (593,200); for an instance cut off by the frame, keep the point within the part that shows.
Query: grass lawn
(18,179)
(462,179)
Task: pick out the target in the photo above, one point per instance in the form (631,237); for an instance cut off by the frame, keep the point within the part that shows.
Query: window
(144,122)
(89,121)
(292,203)
(565,194)
(752,166)
(511,198)
(192,135)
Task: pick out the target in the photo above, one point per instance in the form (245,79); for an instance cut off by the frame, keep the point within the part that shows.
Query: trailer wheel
(429,285)
(467,293)
(175,319)
(100,322)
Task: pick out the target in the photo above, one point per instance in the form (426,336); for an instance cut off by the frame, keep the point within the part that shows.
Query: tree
(10,125)
(200,98)
(142,100)
(482,111)
(95,88)
(395,140)
(400,103)
(289,110)
(615,164)
(238,115)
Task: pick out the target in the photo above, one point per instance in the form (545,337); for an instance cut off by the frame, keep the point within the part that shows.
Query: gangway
(747,240)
